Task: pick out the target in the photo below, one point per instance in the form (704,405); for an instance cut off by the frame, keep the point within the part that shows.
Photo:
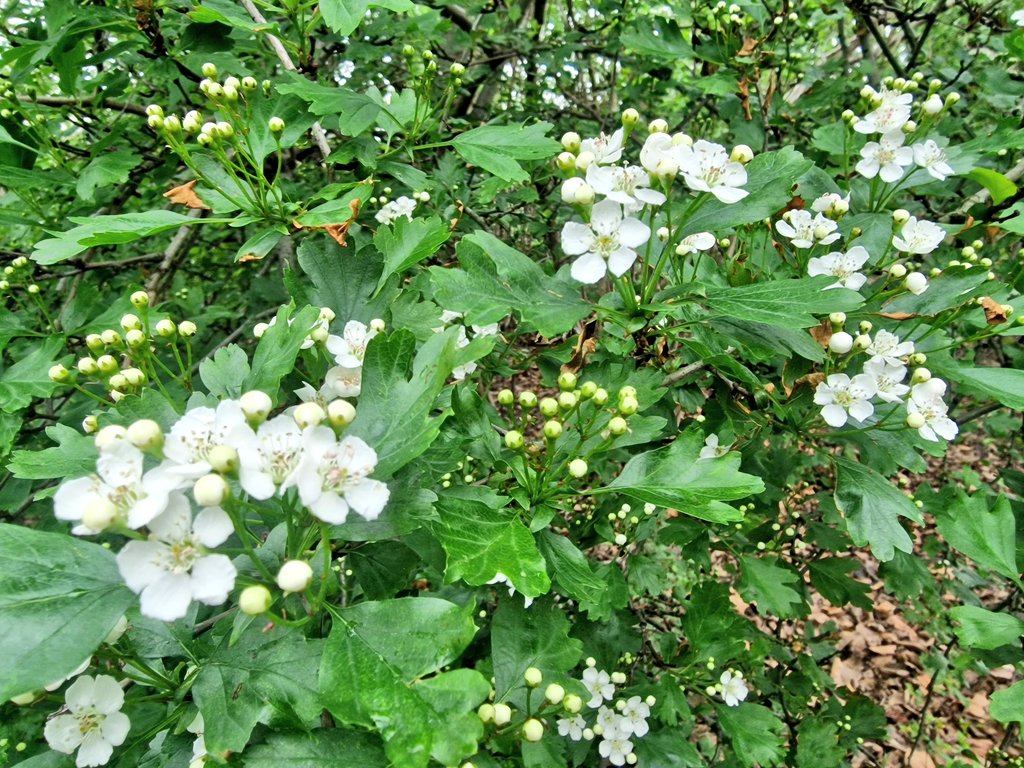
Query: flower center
(182,555)
(605,245)
(89,721)
(844,398)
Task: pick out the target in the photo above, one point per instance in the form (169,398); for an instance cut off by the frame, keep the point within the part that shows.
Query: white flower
(350,348)
(885,158)
(706,167)
(842,396)
(342,382)
(1017,17)
(403,206)
(887,377)
(460,372)
(887,347)
(606,149)
(926,400)
(198,728)
(699,241)
(629,185)
(659,153)
(190,440)
(572,727)
(608,719)
(918,236)
(831,204)
(734,688)
(269,456)
(615,747)
(805,230)
(933,159)
(599,684)
(711,449)
(891,113)
(94,724)
(308,342)
(333,477)
(843,266)
(634,717)
(501,578)
(173,568)
(606,244)
(120,490)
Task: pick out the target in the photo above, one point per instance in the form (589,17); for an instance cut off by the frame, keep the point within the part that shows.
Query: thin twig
(85,101)
(686,370)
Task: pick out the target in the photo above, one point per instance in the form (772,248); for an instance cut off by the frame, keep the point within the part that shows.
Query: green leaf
(571,569)
(224,373)
(817,744)
(950,289)
(785,303)
(369,670)
(275,355)
(75,456)
(986,536)
(766,583)
(872,506)
(660,38)
(106,170)
(770,178)
(755,732)
(29,377)
(537,636)
(1004,385)
(675,477)
(496,148)
(259,245)
(396,403)
(343,280)
(356,112)
(61,597)
(262,675)
(111,230)
(496,279)
(343,16)
(985,629)
(407,243)
(318,747)
(830,576)
(454,696)
(481,542)
(1000,187)
(1007,705)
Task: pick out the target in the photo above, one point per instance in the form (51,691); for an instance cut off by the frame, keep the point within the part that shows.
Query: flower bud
(308,415)
(741,153)
(505,397)
(486,713)
(514,440)
(110,337)
(528,399)
(628,406)
(840,343)
(663,233)
(155,122)
(110,435)
(172,124)
(588,389)
(135,339)
(933,105)
(187,328)
(584,160)
(319,335)
(918,358)
(223,459)
(106,364)
(117,632)
(915,420)
(554,693)
(256,406)
(377,325)
(145,434)
(99,514)
(630,118)
(58,373)
(90,424)
(952,98)
(916,283)
(578,468)
(210,490)
(295,576)
(862,342)
(87,366)
(276,125)
(567,401)
(533,730)
(549,406)
(215,90)
(900,215)
(209,70)
(502,714)
(154,109)
(134,377)
(457,69)
(340,413)
(584,195)
(600,396)
(118,381)
(130,322)
(204,139)
(666,168)
(552,429)
(255,600)
(657,126)
(249,84)
(920,375)
(571,141)
(533,677)
(617,426)
(897,271)
(837,319)
(567,381)
(910,126)
(572,703)
(166,328)
(566,161)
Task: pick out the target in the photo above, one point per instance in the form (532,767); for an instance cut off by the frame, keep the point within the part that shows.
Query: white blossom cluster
(843,397)
(617,726)
(606,241)
(144,480)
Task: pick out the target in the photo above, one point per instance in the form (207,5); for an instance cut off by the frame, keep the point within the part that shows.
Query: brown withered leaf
(744,89)
(822,333)
(586,343)
(812,380)
(186,195)
(749,46)
(337,231)
(897,315)
(248,257)
(994,314)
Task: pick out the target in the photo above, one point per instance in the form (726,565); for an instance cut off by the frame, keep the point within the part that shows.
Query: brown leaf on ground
(586,343)
(921,759)
(185,194)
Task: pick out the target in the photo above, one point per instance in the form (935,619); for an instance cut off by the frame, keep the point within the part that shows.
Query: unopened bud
(552,429)
(209,70)
(527,399)
(276,125)
(502,714)
(109,435)
(486,713)
(915,420)
(566,161)
(549,406)
(295,576)
(900,215)
(110,337)
(741,153)
(145,434)
(106,363)
(897,271)
(533,677)
(554,693)
(657,126)
(533,730)
(920,375)
(916,283)
(256,406)
(617,426)
(255,600)
(506,397)
(572,703)
(630,118)
(223,459)
(210,490)
(584,160)
(578,468)
(514,440)
(166,328)
(99,514)
(90,424)
(308,415)
(340,413)
(837,319)
(840,343)
(58,373)
(571,141)
(135,339)
(567,401)
(130,322)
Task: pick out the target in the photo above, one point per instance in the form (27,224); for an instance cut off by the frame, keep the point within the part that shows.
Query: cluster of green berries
(19,274)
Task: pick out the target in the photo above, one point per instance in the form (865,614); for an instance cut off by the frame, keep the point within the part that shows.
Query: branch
(282,54)
(85,101)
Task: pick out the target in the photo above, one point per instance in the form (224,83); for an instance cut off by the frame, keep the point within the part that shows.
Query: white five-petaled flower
(403,206)
(805,230)
(320,322)
(734,688)
(933,159)
(712,449)
(599,684)
(629,185)
(887,347)
(172,568)
(606,149)
(94,723)
(608,719)
(572,727)
(634,717)
(887,377)
(706,167)
(333,477)
(843,397)
(605,245)
(269,456)
(891,112)
(188,444)
(885,158)
(135,496)
(926,400)
(918,236)
(615,747)
(698,241)
(843,266)
(832,204)
(350,348)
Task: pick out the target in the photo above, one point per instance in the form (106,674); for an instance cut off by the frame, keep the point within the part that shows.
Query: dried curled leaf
(994,314)
(186,195)
(337,231)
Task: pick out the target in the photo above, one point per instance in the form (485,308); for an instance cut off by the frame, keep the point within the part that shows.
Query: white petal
(63,733)
(605,218)
(368,498)
(621,260)
(213,577)
(137,562)
(175,522)
(213,526)
(588,268)
(107,695)
(729,194)
(72,497)
(80,695)
(633,233)
(834,415)
(167,598)
(95,750)
(861,409)
(115,728)
(330,508)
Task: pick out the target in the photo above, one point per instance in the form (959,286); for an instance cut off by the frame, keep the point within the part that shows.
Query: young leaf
(872,506)
(1007,705)
(407,243)
(570,567)
(755,732)
(224,373)
(343,16)
(74,456)
(496,148)
(29,378)
(785,303)
(986,536)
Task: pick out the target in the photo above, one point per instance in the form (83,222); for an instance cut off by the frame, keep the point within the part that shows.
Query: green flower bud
(588,389)
(552,429)
(578,468)
(255,600)
(533,730)
(549,406)
(567,381)
(600,396)
(528,400)
(617,426)
(514,440)
(554,693)
(567,401)
(276,125)
(533,677)
(628,406)
(505,397)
